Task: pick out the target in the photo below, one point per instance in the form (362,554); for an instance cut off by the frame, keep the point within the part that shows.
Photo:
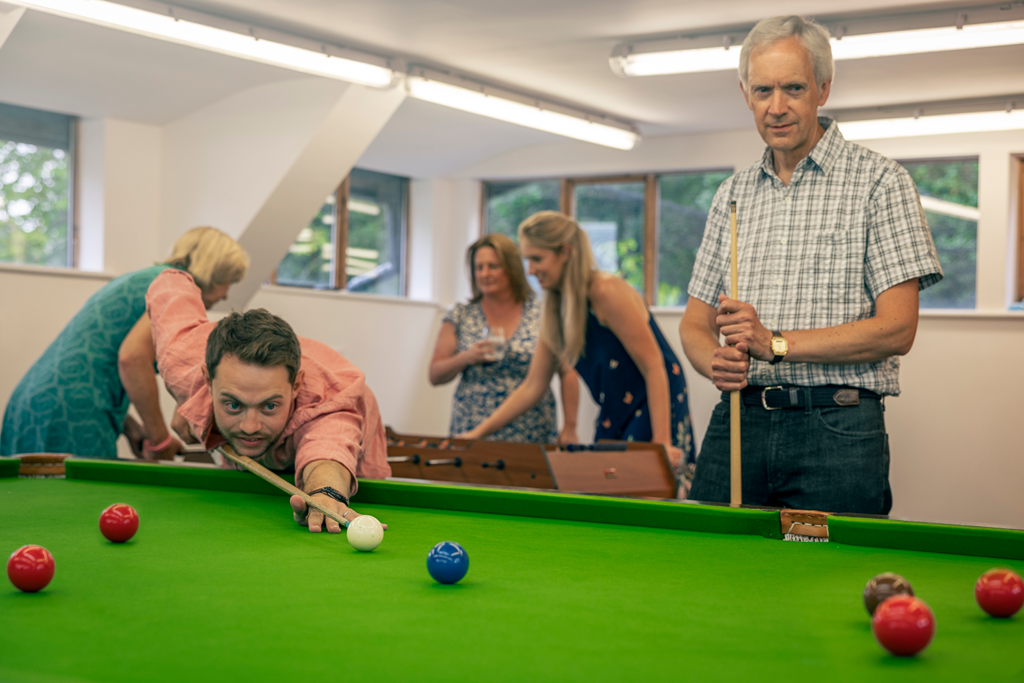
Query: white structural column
(340,139)
(996,235)
(119,196)
(259,164)
(8,20)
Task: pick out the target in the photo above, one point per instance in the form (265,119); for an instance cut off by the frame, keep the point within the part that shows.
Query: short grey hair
(811,34)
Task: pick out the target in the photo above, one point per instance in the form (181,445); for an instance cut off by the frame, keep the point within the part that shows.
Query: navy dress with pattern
(620,391)
(71,400)
(484,386)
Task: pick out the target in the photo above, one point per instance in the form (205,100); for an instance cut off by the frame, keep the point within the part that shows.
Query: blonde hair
(563,327)
(511,262)
(211,257)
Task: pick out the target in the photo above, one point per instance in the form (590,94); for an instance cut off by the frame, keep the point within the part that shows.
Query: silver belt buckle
(764,400)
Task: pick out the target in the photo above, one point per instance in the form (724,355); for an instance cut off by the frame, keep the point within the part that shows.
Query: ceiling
(557,49)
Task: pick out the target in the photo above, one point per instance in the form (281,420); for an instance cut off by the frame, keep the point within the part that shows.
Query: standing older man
(833,250)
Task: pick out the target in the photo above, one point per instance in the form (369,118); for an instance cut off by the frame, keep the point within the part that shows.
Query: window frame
(652,210)
(338,280)
(72,223)
(954,159)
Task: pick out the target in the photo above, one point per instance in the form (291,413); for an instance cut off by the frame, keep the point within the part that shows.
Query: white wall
(119,195)
(35,305)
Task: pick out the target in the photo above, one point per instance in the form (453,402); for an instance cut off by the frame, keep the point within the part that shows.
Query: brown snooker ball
(884,586)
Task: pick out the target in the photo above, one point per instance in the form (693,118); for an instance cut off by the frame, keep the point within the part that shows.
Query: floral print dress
(484,386)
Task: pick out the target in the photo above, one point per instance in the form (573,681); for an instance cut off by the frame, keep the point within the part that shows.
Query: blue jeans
(833,459)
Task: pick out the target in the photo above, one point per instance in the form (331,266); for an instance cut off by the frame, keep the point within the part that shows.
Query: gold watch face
(780,346)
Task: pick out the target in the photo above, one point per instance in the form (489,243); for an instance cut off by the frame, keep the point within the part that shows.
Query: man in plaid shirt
(833,249)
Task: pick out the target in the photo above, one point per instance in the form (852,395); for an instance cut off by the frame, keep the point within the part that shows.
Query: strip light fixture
(974,122)
(174,29)
(633,60)
(485,101)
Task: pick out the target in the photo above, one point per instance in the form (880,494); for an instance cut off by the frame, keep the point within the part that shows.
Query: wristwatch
(780,347)
(328,491)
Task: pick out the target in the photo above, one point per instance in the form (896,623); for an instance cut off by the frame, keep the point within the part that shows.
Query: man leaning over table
(282,400)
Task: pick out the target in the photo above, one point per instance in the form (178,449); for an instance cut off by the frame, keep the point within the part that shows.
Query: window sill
(937,313)
(343,294)
(970,313)
(50,271)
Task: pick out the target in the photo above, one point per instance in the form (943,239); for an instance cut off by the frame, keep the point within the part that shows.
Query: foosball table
(613,467)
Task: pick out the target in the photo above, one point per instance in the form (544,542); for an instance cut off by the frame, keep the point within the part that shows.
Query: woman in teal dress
(599,324)
(75,398)
(502,300)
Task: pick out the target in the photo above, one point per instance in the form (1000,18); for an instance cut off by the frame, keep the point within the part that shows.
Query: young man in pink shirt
(281,400)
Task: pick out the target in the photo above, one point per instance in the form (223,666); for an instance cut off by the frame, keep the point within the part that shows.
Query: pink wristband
(148,445)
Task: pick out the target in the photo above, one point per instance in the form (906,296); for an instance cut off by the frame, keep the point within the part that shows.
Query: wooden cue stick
(736,478)
(268,476)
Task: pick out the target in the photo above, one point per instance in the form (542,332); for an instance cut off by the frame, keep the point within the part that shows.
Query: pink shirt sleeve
(180,329)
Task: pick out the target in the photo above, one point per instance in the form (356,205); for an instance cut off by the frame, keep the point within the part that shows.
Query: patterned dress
(71,400)
(620,391)
(484,386)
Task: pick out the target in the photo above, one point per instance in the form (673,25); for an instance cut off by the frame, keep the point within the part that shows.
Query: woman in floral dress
(502,300)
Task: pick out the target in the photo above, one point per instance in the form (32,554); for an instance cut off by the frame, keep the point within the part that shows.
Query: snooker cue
(268,476)
(736,479)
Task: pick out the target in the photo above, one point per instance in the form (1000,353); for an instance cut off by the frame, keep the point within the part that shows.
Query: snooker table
(220,584)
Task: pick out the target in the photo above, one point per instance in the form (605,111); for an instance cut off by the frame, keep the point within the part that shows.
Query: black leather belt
(792,396)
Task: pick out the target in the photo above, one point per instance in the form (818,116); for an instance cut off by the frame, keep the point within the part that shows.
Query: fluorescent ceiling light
(677,61)
(933,125)
(944,39)
(166,27)
(522,114)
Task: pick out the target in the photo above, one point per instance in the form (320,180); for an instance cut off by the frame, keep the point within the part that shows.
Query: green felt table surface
(220,584)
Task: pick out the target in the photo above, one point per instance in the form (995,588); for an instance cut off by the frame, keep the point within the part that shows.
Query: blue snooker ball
(447,562)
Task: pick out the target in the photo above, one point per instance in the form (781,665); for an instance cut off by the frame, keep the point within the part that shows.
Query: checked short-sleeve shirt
(817,253)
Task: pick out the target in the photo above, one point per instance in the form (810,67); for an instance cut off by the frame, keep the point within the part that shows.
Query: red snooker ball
(30,568)
(1000,592)
(903,625)
(119,522)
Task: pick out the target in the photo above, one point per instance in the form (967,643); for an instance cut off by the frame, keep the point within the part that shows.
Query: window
(645,228)
(365,219)
(684,201)
(36,164)
(506,205)
(949,195)
(612,212)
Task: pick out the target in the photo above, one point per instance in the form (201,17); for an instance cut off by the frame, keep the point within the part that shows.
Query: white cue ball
(365,533)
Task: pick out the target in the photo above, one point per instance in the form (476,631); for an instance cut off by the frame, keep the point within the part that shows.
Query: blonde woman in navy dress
(501,299)
(598,323)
